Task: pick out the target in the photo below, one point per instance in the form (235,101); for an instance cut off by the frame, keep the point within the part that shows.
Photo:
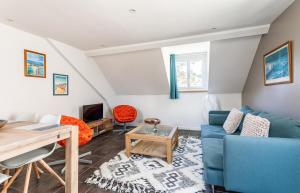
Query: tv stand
(100,126)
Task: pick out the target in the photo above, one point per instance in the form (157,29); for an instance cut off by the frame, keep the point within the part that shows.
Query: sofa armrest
(217,117)
(256,165)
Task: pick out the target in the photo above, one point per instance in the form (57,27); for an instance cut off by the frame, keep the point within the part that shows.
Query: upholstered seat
(26,158)
(212,131)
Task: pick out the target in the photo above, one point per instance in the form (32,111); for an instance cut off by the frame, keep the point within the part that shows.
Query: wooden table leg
(169,151)
(127,145)
(72,162)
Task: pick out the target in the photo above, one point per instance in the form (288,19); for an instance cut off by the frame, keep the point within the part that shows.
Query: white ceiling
(92,24)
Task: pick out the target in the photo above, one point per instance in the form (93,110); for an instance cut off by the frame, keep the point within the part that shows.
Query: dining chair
(30,160)
(3,178)
(23,116)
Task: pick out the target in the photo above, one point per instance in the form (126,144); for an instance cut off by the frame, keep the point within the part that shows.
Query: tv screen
(92,112)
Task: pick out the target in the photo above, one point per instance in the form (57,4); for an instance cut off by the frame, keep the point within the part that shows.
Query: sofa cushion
(282,126)
(255,126)
(233,121)
(246,109)
(212,153)
(212,131)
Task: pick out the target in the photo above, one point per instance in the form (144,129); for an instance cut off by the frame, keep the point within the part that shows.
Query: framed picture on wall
(60,84)
(278,68)
(34,64)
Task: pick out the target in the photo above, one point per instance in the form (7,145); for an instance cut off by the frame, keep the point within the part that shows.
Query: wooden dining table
(17,138)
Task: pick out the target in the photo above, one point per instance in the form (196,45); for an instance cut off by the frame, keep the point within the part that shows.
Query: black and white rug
(143,174)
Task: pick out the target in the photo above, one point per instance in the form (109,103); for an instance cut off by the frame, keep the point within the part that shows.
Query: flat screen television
(92,112)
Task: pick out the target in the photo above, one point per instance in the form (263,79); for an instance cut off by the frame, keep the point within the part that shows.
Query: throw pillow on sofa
(255,126)
(233,120)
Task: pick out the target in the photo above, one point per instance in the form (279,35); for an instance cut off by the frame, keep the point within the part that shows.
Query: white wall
(24,94)
(186,112)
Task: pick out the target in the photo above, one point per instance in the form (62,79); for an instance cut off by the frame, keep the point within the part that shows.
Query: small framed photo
(278,68)
(34,64)
(60,84)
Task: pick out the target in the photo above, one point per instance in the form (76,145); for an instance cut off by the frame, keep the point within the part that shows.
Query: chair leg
(27,178)
(6,173)
(36,171)
(12,179)
(51,171)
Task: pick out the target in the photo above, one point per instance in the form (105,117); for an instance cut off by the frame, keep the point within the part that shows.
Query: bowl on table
(2,123)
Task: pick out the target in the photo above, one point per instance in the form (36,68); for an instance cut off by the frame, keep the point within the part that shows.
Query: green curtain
(173,80)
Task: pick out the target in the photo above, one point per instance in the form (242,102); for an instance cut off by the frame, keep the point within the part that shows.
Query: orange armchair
(124,114)
(85,134)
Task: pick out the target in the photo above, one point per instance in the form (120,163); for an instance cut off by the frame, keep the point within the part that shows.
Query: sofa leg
(212,188)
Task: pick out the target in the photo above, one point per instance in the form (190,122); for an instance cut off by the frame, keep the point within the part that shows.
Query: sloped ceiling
(93,24)
(230,62)
(135,73)
(144,73)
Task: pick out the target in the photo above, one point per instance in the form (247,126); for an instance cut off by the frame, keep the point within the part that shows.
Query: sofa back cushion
(282,126)
(279,126)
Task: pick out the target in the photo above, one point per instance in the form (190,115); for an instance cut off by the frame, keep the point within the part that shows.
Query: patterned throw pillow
(233,120)
(255,126)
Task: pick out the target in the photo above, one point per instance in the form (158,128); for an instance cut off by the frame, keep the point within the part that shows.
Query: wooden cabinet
(100,126)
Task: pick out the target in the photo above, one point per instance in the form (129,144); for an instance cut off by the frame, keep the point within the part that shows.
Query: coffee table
(146,141)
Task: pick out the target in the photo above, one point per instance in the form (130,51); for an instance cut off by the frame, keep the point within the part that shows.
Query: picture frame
(277,65)
(34,64)
(60,84)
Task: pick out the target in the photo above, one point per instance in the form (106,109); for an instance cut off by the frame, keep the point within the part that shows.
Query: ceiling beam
(228,34)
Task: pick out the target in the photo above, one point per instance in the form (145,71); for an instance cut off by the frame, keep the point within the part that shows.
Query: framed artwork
(278,68)
(34,64)
(60,84)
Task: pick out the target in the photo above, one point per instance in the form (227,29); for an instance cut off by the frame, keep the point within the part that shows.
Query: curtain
(210,102)
(173,80)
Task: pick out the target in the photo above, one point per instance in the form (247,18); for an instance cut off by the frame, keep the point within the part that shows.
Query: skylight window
(191,70)
(192,65)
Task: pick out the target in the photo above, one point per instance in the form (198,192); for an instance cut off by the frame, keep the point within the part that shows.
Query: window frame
(188,58)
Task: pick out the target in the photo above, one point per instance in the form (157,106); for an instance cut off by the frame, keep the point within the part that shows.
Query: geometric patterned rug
(144,174)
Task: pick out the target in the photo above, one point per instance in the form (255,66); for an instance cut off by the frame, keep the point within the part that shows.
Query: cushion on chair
(212,131)
(124,113)
(85,133)
(213,153)
(25,158)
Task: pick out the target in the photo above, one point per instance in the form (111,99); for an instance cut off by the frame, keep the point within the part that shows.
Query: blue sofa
(252,164)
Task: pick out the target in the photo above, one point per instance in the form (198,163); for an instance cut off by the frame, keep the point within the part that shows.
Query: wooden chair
(30,159)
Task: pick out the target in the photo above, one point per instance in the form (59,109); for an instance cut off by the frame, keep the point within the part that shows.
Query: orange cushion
(85,132)
(124,113)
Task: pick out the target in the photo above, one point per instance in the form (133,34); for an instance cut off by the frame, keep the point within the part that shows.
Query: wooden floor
(103,147)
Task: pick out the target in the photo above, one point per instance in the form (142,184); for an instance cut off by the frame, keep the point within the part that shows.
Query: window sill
(193,90)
